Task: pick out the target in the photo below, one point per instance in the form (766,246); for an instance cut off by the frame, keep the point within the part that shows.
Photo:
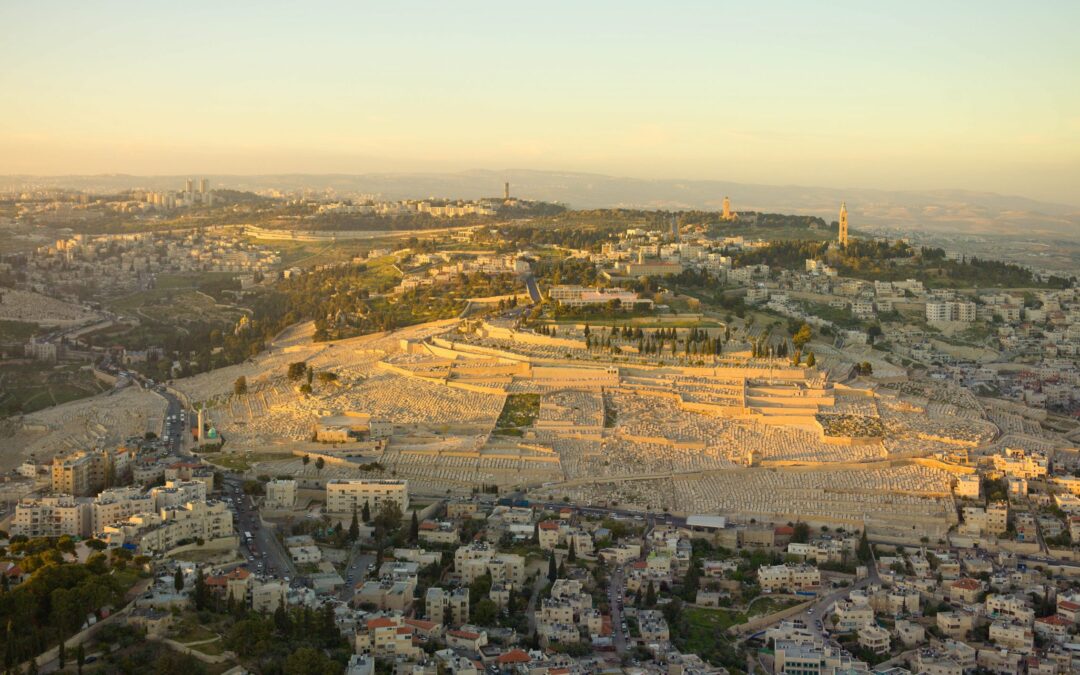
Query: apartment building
(1012,635)
(118,504)
(343,496)
(450,608)
(87,472)
(951,311)
(775,578)
(189,523)
(52,517)
(994,519)
(280,494)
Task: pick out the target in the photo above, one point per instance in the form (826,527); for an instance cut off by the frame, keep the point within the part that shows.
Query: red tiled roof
(513,656)
(967,584)
(1067,605)
(784,530)
(1054,620)
(380,622)
(421,624)
(463,634)
(549,525)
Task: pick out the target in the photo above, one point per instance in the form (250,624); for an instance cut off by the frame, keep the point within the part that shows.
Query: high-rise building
(190,188)
(204,186)
(506,190)
(843,238)
(727,209)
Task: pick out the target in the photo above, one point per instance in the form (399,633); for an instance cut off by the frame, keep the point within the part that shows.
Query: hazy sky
(980,95)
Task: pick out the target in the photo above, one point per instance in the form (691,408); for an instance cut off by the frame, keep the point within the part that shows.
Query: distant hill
(953,211)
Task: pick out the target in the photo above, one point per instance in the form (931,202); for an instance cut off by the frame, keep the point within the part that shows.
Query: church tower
(843,238)
(727,209)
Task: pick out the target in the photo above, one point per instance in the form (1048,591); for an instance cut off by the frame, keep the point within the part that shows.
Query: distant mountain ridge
(953,211)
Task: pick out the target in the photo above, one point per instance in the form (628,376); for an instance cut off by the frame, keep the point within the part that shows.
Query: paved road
(276,561)
(534,290)
(530,611)
(616,593)
(357,569)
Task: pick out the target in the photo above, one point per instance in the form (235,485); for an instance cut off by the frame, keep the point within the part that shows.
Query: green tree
(650,596)
(388,518)
(864,553)
(178,579)
(485,612)
(571,554)
(201,591)
(319,464)
(80,657)
(801,534)
(296,370)
(414,528)
(366,513)
(553,569)
(811,360)
(354,527)
(802,336)
(310,661)
(240,386)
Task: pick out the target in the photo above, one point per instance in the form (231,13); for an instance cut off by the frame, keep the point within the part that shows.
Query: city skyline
(920,97)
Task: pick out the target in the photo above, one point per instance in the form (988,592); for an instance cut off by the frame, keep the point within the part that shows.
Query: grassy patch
(190,630)
(33,386)
(770,605)
(16,331)
(701,631)
(519,410)
(244,462)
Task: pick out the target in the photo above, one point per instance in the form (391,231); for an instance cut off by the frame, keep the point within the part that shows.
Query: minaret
(843,238)
(727,209)
(506,190)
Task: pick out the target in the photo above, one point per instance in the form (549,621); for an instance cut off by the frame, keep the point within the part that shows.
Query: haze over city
(476,338)
(924,95)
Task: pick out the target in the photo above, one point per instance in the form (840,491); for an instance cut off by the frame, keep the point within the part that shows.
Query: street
(264,552)
(360,564)
(615,603)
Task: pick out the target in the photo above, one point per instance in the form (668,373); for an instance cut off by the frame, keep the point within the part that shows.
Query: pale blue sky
(978,95)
